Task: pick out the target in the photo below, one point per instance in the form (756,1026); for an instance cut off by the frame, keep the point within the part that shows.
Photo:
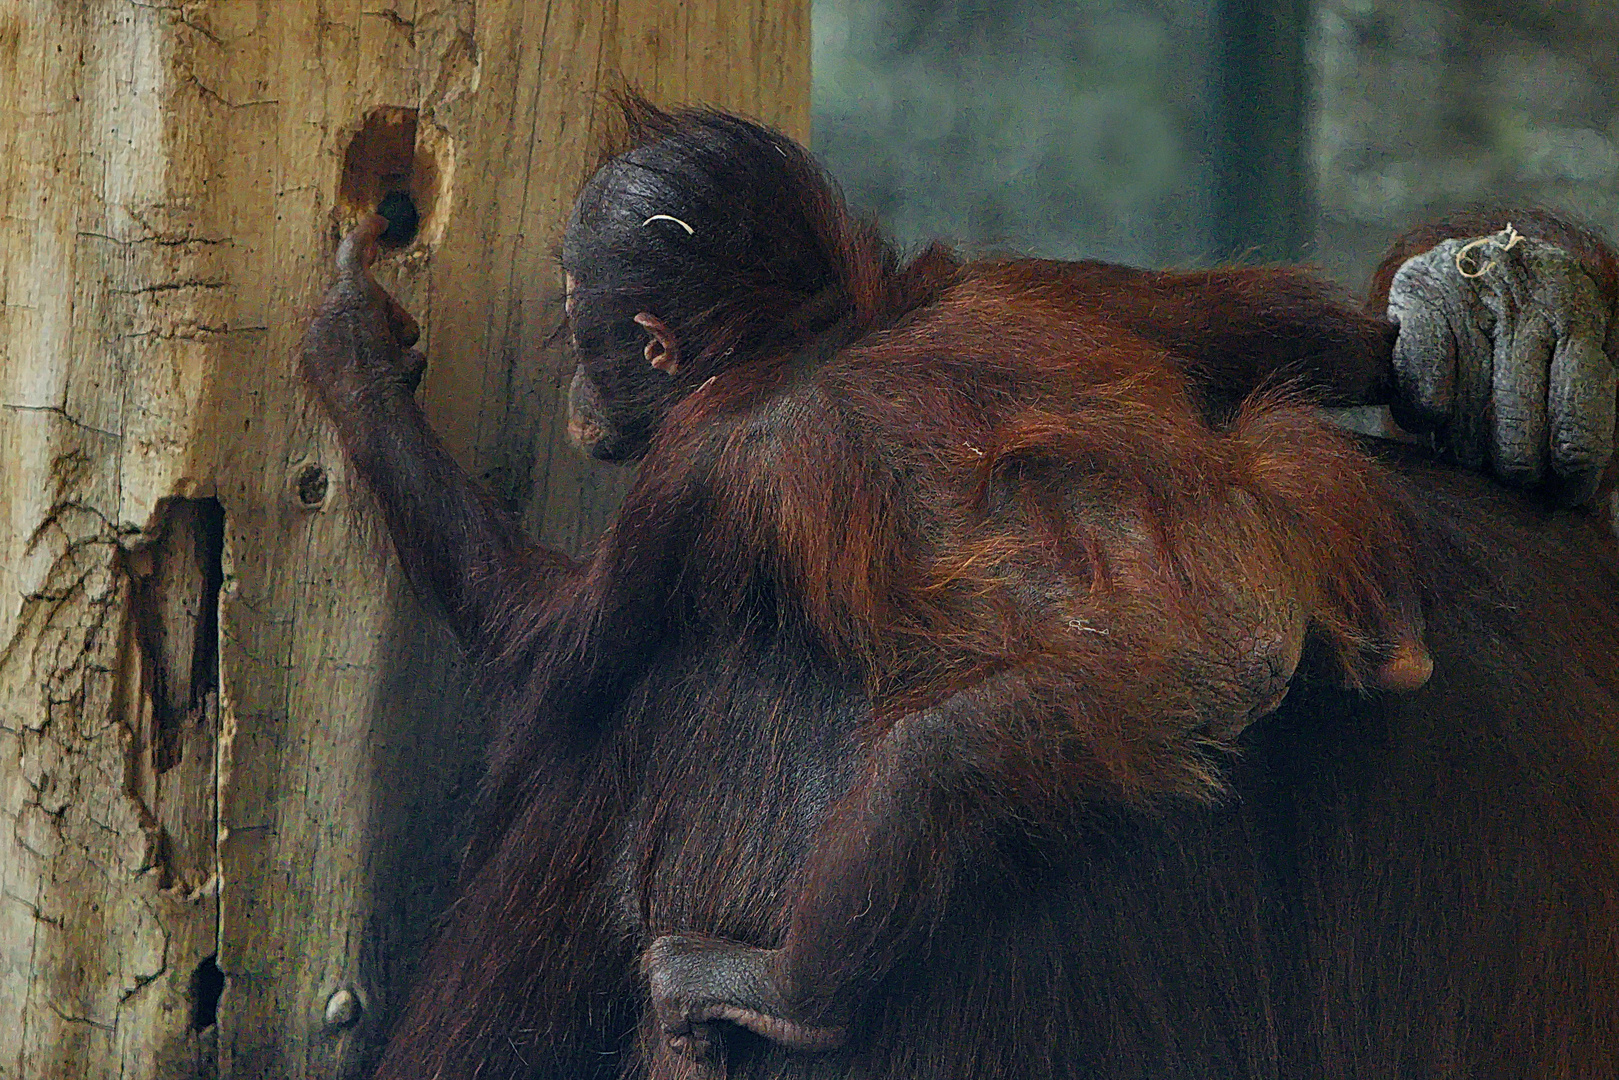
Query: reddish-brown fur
(914,664)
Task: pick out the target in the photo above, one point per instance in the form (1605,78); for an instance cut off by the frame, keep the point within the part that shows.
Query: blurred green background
(1188,132)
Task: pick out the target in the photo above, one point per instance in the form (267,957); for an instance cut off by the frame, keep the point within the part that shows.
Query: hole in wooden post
(310,486)
(400,211)
(175,606)
(207,986)
(393,168)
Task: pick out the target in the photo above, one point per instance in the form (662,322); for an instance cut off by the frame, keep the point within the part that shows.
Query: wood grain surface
(228,736)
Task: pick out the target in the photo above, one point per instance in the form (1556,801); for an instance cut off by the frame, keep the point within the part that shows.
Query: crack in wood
(61,413)
(159,239)
(168,286)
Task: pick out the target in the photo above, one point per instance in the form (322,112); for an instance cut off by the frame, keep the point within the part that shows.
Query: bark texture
(232,749)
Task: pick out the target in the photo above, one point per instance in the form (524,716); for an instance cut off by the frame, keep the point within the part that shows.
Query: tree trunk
(232,748)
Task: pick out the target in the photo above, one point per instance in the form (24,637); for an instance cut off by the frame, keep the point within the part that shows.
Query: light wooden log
(227,735)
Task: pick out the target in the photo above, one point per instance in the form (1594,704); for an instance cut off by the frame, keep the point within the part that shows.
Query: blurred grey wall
(1065,129)
(1421,106)
(1095,128)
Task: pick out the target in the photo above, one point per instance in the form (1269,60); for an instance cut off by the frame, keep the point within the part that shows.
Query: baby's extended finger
(359,247)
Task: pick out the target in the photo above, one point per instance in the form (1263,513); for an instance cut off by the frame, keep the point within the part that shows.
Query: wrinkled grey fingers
(1519,434)
(1505,359)
(1426,349)
(1584,390)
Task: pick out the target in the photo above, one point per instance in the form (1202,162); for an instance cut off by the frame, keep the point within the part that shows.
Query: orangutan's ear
(662,350)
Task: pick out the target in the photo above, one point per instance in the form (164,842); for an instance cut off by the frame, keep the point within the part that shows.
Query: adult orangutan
(1004,669)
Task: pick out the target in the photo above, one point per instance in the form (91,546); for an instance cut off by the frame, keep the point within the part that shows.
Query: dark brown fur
(913,661)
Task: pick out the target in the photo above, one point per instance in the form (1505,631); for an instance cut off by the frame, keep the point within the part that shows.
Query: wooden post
(232,748)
